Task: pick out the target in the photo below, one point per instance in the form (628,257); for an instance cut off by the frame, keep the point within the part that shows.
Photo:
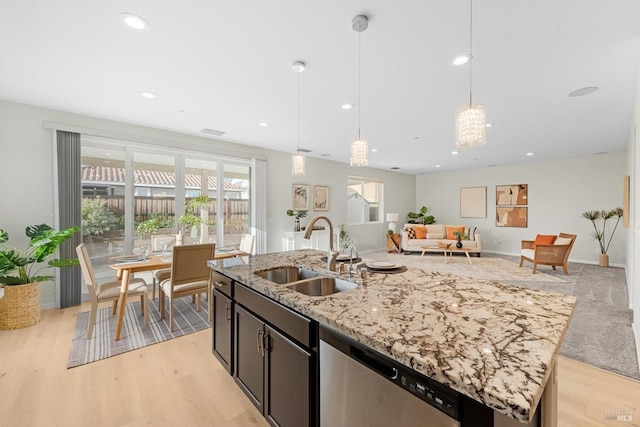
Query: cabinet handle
(219,284)
(227,317)
(265,343)
(259,341)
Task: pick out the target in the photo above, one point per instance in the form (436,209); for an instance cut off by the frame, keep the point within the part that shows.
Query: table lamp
(392,218)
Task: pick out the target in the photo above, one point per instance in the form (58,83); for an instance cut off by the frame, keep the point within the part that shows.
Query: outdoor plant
(296,214)
(420,217)
(155,223)
(18,267)
(190,219)
(600,234)
(96,217)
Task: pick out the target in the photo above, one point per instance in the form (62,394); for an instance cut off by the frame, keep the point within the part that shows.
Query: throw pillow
(562,241)
(471,232)
(451,230)
(435,236)
(411,234)
(421,231)
(544,239)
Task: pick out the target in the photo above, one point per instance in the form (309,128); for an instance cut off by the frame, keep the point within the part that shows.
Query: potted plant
(420,217)
(192,221)
(297,215)
(20,273)
(460,235)
(600,234)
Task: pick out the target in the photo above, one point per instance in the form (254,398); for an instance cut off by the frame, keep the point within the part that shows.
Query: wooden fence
(235,211)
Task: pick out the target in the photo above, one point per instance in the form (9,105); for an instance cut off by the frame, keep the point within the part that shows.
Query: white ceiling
(228,65)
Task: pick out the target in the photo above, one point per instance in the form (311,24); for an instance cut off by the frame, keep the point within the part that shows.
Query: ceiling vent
(212,132)
(304,150)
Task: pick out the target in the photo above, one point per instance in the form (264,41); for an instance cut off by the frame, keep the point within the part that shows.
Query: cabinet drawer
(222,283)
(291,323)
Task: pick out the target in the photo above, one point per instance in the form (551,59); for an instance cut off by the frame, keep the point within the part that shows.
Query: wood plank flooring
(179,382)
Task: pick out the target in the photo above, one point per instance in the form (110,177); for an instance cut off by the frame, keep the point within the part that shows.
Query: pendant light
(297,159)
(470,120)
(359,148)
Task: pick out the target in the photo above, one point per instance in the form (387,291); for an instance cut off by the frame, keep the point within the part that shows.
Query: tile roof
(115,176)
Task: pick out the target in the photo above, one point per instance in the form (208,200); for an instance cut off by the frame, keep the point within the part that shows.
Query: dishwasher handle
(381,367)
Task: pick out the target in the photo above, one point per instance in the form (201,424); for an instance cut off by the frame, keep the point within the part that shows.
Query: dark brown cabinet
(277,373)
(222,329)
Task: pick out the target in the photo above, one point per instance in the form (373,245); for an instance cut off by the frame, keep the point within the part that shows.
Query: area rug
(480,268)
(135,334)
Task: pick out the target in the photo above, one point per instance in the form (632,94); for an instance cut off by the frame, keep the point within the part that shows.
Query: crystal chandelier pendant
(471,126)
(359,152)
(297,164)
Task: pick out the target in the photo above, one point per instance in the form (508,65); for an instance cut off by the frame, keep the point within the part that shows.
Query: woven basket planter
(20,306)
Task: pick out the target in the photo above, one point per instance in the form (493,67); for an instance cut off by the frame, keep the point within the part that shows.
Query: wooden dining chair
(190,276)
(109,291)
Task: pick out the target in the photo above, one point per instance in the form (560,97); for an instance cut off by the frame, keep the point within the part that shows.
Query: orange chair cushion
(544,239)
(451,230)
(421,231)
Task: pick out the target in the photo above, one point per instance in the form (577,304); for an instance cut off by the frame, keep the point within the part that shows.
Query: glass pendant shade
(297,164)
(359,152)
(471,126)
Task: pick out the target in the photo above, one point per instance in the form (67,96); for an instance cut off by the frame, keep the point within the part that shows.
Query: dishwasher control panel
(430,392)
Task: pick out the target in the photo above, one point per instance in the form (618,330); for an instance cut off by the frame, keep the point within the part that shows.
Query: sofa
(414,236)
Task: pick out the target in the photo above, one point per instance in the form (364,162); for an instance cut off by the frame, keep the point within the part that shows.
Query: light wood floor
(179,382)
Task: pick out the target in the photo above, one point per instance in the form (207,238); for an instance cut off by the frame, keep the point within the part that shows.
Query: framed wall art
(300,197)
(513,195)
(473,202)
(320,198)
(511,216)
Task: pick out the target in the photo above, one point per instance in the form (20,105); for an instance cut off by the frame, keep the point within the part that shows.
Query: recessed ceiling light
(347,106)
(373,150)
(134,21)
(583,91)
(454,152)
(148,95)
(460,60)
(530,154)
(263,124)
(437,166)
(489,125)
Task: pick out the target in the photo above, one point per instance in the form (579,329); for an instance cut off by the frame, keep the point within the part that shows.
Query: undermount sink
(322,286)
(283,275)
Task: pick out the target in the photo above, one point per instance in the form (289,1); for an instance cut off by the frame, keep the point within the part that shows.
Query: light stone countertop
(492,342)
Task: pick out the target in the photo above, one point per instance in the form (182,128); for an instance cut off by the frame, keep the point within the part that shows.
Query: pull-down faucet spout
(331,254)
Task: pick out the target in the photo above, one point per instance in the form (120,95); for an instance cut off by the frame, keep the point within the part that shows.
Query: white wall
(26,150)
(559,191)
(633,243)
(399,196)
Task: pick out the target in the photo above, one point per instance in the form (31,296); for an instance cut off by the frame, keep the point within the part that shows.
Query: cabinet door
(287,382)
(249,360)
(222,321)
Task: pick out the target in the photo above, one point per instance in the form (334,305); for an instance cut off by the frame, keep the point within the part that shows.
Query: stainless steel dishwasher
(360,387)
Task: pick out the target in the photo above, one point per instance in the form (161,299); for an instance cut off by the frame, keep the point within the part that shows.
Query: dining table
(127,265)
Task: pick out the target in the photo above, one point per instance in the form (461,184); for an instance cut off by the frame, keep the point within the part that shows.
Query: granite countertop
(492,342)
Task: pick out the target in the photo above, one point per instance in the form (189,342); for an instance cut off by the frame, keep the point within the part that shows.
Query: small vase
(604,260)
(296,225)
(459,243)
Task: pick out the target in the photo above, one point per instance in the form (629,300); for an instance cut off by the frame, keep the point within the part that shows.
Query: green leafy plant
(155,223)
(296,214)
(420,217)
(96,217)
(190,219)
(600,234)
(461,235)
(344,241)
(18,267)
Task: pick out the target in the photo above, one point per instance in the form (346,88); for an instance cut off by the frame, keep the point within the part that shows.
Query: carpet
(481,268)
(134,332)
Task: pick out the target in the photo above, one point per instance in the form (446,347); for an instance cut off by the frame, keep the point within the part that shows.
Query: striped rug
(134,332)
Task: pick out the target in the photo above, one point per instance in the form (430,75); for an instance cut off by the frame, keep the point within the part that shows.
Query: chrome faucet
(332,255)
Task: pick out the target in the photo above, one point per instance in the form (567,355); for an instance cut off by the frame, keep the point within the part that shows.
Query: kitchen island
(494,343)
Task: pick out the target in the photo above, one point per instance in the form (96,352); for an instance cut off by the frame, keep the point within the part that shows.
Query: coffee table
(451,249)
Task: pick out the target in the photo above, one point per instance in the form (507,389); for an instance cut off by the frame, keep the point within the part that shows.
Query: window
(364,200)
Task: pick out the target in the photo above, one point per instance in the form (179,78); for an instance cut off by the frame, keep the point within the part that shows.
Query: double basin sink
(306,281)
